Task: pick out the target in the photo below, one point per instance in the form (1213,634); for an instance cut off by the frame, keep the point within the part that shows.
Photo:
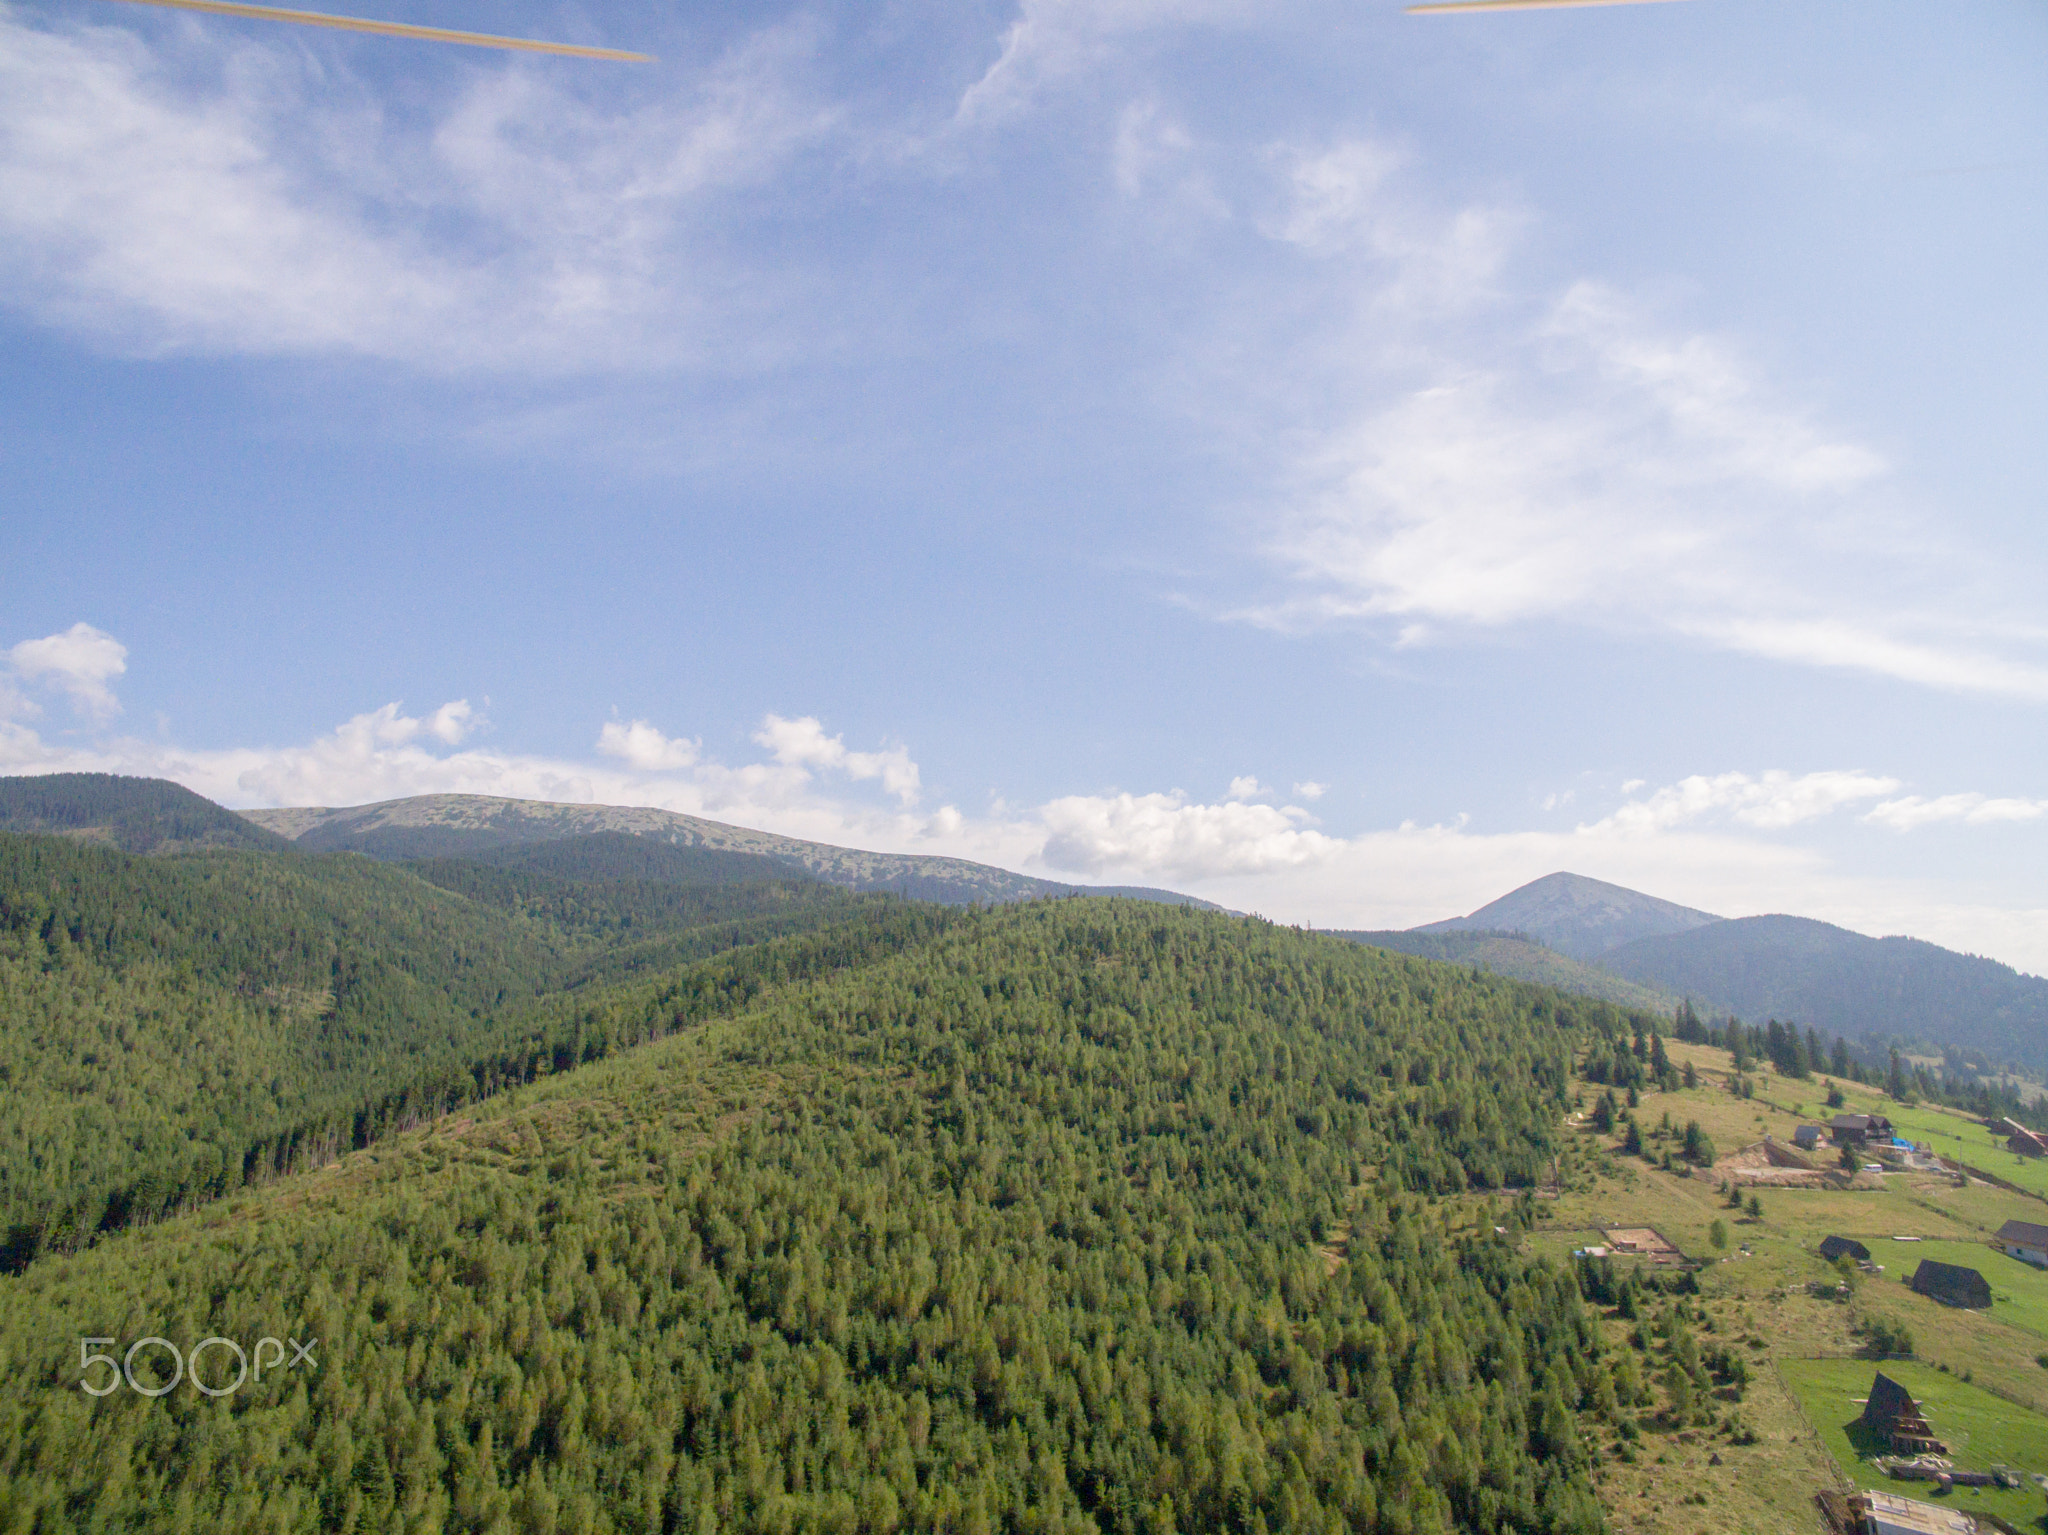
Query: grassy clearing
(1980,1430)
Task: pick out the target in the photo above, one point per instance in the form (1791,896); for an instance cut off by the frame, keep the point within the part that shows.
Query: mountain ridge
(465,825)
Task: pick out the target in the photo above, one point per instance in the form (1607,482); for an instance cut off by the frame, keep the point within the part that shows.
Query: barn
(1832,1248)
(1952,1285)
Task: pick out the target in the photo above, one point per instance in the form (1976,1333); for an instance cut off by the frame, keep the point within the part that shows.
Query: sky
(1340,463)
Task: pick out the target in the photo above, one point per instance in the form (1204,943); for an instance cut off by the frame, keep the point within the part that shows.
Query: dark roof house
(1892,1413)
(1832,1248)
(1854,1129)
(1952,1285)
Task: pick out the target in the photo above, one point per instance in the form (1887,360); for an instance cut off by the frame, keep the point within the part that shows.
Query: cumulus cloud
(81,663)
(1164,836)
(643,746)
(1309,789)
(1248,787)
(803,743)
(273,207)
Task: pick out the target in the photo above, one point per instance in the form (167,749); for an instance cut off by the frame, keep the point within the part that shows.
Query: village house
(1856,1129)
(1891,1413)
(2025,1241)
(1952,1285)
(1809,1137)
(1832,1248)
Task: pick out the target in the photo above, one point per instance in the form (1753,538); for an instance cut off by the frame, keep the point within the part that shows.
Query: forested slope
(137,815)
(173,1026)
(1520,958)
(997,1220)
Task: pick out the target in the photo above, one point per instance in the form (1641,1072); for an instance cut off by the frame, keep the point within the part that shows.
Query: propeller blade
(397,29)
(1448,7)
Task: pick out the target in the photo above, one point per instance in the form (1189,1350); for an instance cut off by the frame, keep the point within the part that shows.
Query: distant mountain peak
(1578,916)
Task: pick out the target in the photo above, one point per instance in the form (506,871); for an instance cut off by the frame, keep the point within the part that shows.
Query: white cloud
(1309,789)
(1772,800)
(1248,787)
(276,208)
(646,748)
(80,662)
(803,743)
(1163,836)
(452,722)
(1912,811)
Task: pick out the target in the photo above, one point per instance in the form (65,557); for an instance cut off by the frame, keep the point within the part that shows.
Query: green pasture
(1951,1135)
(2019,1291)
(1981,1431)
(1968,1141)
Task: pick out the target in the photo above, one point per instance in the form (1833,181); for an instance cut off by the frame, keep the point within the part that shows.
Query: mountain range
(1589,936)
(1564,930)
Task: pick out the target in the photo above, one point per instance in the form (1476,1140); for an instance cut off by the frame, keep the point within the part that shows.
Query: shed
(1807,1137)
(2025,1241)
(1832,1248)
(1952,1285)
(1891,1413)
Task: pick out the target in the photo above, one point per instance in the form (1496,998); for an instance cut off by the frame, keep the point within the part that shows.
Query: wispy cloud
(1911,811)
(1451,449)
(1771,800)
(270,209)
(1049,42)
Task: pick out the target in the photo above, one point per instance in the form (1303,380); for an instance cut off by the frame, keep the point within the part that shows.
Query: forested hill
(174,1026)
(1816,974)
(1521,958)
(475,825)
(1070,1216)
(137,815)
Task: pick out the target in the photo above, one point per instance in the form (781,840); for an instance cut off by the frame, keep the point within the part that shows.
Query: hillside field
(1980,1430)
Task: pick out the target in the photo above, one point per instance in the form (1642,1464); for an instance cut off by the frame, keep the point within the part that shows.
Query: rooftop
(1888,1514)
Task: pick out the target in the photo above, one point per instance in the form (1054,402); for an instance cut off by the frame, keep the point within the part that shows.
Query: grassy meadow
(1981,1431)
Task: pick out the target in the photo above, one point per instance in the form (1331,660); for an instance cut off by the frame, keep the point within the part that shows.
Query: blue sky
(1341,463)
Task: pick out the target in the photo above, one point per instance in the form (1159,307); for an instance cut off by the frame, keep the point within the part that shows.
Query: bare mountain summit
(1578,916)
